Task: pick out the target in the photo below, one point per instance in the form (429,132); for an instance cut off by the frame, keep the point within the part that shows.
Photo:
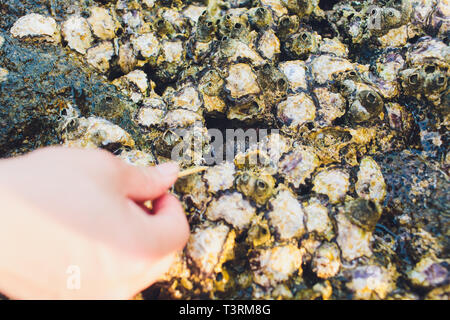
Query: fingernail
(168,168)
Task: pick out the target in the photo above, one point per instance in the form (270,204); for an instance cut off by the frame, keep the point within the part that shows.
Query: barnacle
(339,187)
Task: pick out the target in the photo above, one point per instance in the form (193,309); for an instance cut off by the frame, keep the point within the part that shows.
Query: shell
(36,26)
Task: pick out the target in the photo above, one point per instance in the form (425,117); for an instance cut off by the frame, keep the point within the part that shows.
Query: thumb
(149,183)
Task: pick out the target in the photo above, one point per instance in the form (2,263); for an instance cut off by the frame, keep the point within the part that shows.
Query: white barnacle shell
(206,245)
(37,26)
(317,219)
(276,6)
(371,281)
(333,46)
(181,118)
(334,183)
(269,44)
(102,23)
(172,51)
(137,158)
(232,208)
(286,215)
(370,184)
(220,177)
(296,111)
(96,132)
(193,12)
(331,106)
(353,241)
(295,72)
(77,33)
(429,272)
(133,84)
(100,55)
(327,260)
(3,74)
(277,264)
(146,44)
(298,165)
(241,81)
(187,98)
(324,66)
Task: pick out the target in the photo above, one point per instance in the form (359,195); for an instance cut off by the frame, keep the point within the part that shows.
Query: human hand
(64,210)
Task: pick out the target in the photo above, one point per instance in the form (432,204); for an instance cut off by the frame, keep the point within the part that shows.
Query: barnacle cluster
(348,199)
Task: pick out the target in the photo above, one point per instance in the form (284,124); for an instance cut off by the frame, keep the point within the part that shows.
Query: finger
(149,183)
(167,230)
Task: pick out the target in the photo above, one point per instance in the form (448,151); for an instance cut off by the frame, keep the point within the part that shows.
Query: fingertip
(168,169)
(150,183)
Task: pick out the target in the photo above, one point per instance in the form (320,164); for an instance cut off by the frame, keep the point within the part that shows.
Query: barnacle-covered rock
(428,70)
(302,44)
(133,84)
(171,60)
(362,213)
(194,191)
(151,113)
(388,66)
(340,90)
(300,7)
(256,185)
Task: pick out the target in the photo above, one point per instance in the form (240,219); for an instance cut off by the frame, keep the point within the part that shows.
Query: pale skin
(62,207)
